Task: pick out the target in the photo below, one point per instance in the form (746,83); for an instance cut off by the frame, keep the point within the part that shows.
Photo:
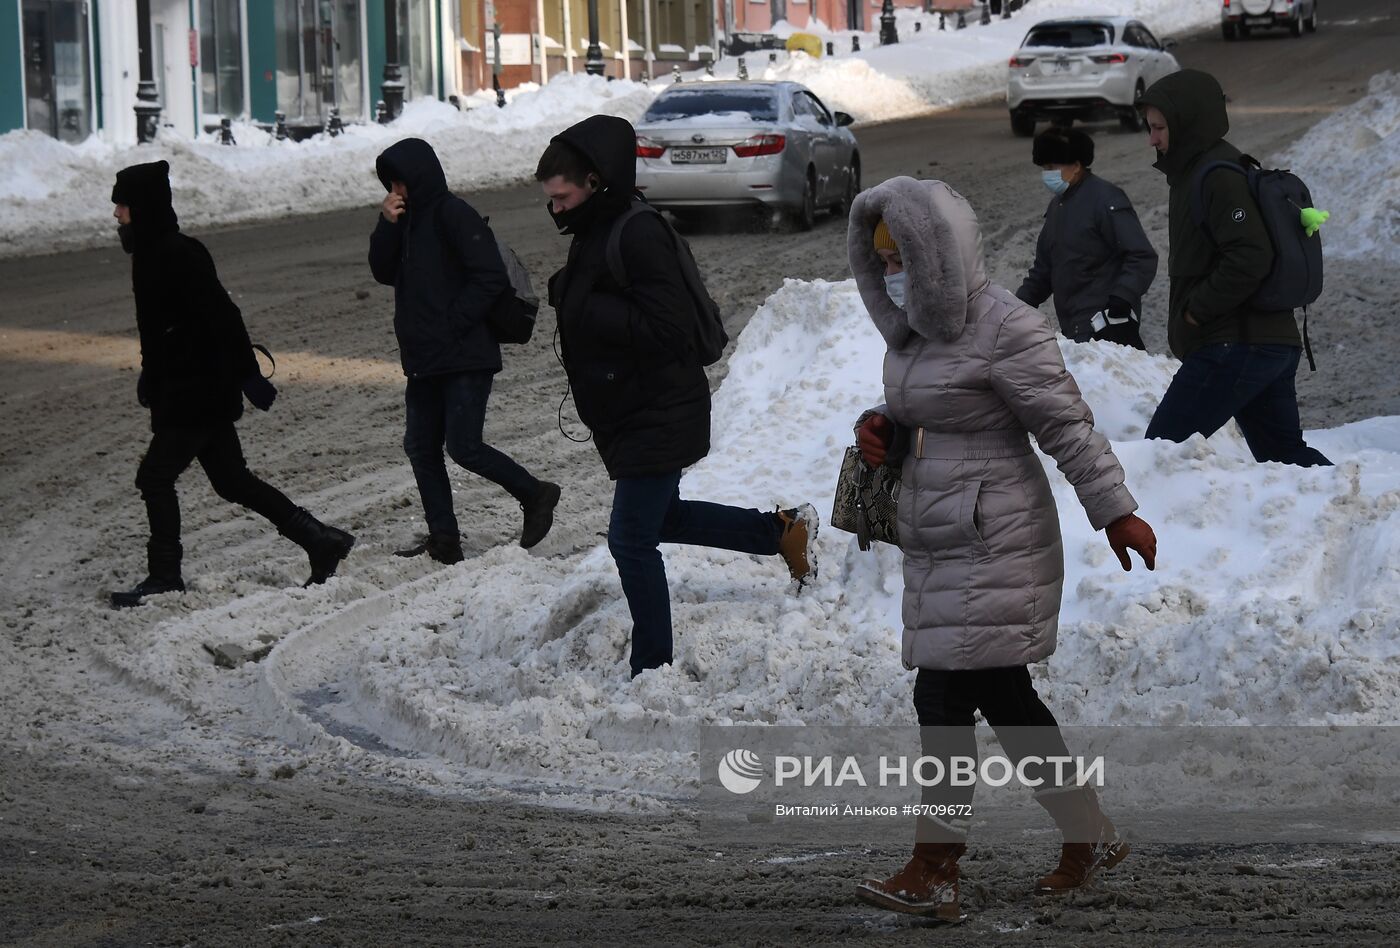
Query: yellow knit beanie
(883,240)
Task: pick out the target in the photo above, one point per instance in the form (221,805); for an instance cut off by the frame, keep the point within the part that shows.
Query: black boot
(163,563)
(539,514)
(445,548)
(325,546)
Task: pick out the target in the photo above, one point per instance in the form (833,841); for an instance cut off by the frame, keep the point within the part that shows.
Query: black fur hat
(1062,146)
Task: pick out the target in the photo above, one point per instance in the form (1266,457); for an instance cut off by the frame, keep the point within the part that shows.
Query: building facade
(70,68)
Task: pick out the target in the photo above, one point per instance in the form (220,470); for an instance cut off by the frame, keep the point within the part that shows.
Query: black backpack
(512,316)
(710,337)
(1295,279)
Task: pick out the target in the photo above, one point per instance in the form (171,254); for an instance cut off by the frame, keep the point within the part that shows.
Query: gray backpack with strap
(709,338)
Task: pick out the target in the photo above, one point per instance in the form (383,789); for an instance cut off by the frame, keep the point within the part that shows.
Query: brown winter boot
(1091,842)
(798,543)
(927,885)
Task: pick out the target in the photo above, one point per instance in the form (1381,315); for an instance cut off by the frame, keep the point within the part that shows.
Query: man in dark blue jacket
(441,259)
(638,384)
(1092,254)
(196,365)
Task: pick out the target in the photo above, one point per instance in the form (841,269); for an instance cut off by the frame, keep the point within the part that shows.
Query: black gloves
(1119,308)
(260,391)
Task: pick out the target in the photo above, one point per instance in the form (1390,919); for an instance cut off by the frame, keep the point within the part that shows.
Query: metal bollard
(743,68)
(456,102)
(333,124)
(918,26)
(962,21)
(381,112)
(710,68)
(226,131)
(772,58)
(676,73)
(830,48)
(986,13)
(942,24)
(280,126)
(855,44)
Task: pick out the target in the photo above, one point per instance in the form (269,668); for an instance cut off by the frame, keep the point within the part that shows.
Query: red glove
(873,438)
(1132,532)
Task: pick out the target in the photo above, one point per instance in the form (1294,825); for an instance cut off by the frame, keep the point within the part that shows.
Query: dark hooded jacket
(1090,248)
(195,351)
(628,354)
(1211,276)
(441,259)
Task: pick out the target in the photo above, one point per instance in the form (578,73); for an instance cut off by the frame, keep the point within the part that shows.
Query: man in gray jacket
(1092,254)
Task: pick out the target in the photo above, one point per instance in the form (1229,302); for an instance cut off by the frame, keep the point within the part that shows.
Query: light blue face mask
(1054,181)
(895,284)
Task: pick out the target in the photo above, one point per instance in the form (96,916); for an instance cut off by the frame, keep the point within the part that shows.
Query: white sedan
(1084,68)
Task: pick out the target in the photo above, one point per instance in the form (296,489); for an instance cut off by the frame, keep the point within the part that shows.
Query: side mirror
(843,119)
(1169,44)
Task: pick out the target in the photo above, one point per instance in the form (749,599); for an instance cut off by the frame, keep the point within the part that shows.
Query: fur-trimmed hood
(941,245)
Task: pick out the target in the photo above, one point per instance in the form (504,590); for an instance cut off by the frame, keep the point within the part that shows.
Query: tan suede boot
(1092,843)
(927,885)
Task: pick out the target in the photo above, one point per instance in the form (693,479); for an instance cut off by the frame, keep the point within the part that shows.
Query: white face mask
(894,285)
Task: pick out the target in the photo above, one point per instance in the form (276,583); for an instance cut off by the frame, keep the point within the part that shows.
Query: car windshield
(1071,35)
(759,104)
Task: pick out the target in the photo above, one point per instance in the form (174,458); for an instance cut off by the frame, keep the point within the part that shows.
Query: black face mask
(127,234)
(577,218)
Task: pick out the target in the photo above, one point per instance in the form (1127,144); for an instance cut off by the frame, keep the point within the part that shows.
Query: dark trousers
(450,411)
(218,451)
(1252,384)
(648,511)
(945,702)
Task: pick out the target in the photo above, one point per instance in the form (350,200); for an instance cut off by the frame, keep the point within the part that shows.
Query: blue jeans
(450,410)
(1251,384)
(648,511)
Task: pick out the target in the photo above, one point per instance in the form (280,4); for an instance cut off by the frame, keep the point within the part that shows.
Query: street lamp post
(496,65)
(392,88)
(147,96)
(888,34)
(593,62)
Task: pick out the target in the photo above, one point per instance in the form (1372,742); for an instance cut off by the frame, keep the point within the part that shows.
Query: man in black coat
(441,259)
(1092,253)
(196,365)
(639,386)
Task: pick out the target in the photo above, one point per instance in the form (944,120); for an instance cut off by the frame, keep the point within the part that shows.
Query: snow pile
(1348,161)
(1276,599)
(52,194)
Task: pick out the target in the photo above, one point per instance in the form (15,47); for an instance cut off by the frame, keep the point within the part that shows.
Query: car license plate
(699,156)
(1062,65)
(1258,20)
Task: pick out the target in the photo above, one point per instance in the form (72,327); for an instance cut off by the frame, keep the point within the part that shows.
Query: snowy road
(137,783)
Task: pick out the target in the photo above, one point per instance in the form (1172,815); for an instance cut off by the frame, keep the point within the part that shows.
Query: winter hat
(883,240)
(143,185)
(1062,146)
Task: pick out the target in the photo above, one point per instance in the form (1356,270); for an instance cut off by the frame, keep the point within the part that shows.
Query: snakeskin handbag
(867,501)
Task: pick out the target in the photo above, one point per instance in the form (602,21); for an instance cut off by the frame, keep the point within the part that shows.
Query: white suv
(1084,68)
(1238,17)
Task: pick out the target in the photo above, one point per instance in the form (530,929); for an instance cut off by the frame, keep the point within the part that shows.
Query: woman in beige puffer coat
(970,371)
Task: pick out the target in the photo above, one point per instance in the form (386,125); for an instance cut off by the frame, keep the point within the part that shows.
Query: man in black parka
(1092,254)
(639,386)
(196,365)
(441,259)
(1237,361)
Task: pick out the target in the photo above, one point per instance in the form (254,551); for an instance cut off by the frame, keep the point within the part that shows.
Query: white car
(1085,68)
(1238,17)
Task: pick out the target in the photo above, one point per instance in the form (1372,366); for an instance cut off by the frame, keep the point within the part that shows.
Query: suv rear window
(1071,35)
(760,104)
